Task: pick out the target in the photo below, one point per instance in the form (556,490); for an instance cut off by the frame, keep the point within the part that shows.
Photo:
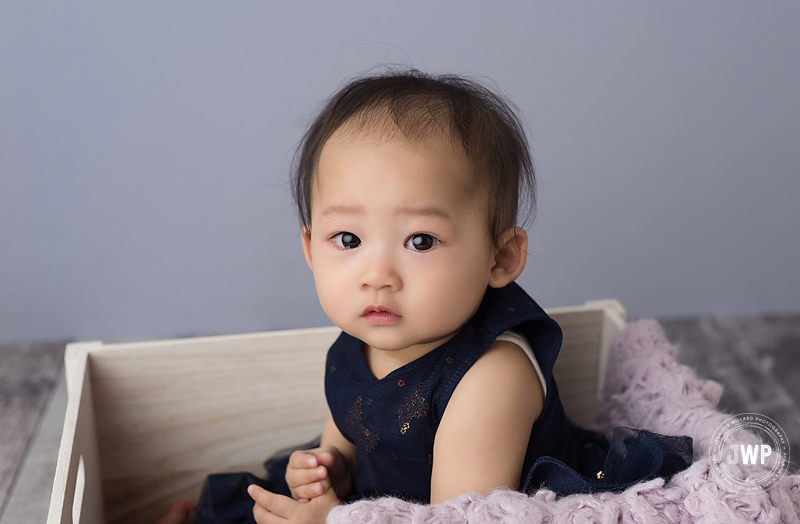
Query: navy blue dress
(393,421)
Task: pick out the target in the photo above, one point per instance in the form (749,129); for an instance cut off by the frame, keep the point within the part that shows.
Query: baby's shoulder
(497,398)
(507,359)
(503,373)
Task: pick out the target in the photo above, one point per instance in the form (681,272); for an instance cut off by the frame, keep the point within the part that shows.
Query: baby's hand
(271,508)
(308,468)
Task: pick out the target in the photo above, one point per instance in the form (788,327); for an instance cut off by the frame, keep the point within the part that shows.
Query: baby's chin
(382,344)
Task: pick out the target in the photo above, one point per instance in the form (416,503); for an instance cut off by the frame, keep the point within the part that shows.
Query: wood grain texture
(167,413)
(29,499)
(171,412)
(27,374)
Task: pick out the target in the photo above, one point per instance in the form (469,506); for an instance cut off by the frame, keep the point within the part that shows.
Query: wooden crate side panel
(173,412)
(77,485)
(163,426)
(577,367)
(581,366)
(613,323)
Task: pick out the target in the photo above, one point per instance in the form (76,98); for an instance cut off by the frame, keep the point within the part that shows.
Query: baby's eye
(346,240)
(421,242)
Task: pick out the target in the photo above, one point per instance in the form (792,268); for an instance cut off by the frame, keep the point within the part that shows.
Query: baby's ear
(510,260)
(305,237)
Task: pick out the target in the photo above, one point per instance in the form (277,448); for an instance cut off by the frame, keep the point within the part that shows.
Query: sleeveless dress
(393,421)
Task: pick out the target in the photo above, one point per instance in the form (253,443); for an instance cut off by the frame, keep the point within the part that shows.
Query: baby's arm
(335,458)
(481,442)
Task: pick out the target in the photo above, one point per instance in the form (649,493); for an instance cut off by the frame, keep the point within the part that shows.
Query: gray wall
(144,148)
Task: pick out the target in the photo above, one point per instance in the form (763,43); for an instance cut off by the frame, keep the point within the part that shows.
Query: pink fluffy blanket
(645,388)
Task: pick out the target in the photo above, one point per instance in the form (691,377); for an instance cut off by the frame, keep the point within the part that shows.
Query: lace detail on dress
(365,438)
(414,406)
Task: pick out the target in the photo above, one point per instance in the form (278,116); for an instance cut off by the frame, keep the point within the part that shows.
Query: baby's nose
(381,272)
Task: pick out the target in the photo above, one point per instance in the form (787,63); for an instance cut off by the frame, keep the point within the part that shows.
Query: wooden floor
(756,359)
(29,374)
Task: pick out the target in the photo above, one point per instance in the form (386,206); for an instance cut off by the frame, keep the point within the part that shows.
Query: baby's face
(400,251)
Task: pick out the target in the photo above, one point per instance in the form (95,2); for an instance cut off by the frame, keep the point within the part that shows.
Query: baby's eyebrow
(428,211)
(343,210)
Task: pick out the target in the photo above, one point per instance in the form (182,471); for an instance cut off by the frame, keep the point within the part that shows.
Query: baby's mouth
(380,315)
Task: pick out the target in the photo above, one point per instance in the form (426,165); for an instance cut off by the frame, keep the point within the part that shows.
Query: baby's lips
(377,309)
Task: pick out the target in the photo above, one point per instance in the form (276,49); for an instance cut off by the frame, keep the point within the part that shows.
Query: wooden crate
(147,421)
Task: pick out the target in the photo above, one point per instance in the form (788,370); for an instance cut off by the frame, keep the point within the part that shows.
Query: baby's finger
(326,482)
(334,461)
(308,491)
(299,477)
(262,516)
(303,459)
(270,504)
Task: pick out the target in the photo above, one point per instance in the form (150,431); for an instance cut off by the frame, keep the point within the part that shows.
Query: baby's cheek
(329,292)
(450,300)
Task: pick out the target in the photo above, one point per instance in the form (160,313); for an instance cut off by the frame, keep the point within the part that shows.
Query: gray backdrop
(144,151)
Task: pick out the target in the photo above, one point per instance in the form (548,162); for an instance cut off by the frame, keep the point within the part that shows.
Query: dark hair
(420,106)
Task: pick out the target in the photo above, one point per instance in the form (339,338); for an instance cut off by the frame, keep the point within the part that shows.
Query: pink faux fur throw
(645,388)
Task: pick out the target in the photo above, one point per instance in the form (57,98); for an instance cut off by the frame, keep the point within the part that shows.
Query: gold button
(599,475)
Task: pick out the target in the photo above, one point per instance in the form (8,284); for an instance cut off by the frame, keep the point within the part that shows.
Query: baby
(411,190)
(408,188)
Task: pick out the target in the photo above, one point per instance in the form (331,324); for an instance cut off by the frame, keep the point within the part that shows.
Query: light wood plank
(195,406)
